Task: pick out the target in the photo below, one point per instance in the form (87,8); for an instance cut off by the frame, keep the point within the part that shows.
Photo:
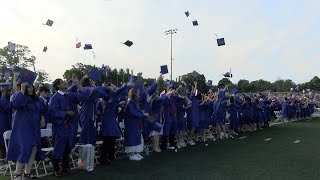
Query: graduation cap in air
(78,45)
(11,46)
(209,83)
(7,72)
(187,13)
(235,90)
(227,74)
(49,23)
(45,49)
(5,85)
(164,69)
(87,46)
(220,41)
(26,75)
(128,43)
(195,23)
(95,74)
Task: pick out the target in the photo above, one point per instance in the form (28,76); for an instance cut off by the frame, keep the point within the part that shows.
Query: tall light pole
(171,31)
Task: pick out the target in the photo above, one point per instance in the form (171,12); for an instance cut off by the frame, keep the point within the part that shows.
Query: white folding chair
(45,133)
(49,126)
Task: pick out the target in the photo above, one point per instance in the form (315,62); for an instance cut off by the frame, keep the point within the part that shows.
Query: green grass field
(249,158)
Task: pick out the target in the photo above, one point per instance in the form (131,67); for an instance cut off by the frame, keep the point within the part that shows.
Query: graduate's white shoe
(171,147)
(192,143)
(227,136)
(134,158)
(139,156)
(183,144)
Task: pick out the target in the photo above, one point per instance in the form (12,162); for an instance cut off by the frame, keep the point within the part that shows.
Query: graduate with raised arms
(62,113)
(27,117)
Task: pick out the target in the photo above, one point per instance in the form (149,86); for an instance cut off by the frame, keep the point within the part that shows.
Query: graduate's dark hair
(231,99)
(85,82)
(56,83)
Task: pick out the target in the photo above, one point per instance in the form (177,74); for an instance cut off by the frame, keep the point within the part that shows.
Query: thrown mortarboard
(209,83)
(78,45)
(26,75)
(235,90)
(87,46)
(95,74)
(11,46)
(128,43)
(49,22)
(195,23)
(227,74)
(187,13)
(164,69)
(45,49)
(221,42)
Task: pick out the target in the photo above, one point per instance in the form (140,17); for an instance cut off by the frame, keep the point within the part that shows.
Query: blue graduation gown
(26,128)
(145,105)
(181,111)
(109,115)
(170,116)
(5,117)
(234,118)
(248,113)
(284,109)
(132,122)
(87,114)
(62,130)
(193,112)
(204,111)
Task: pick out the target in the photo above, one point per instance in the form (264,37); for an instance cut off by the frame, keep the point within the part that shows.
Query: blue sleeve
(134,110)
(72,88)
(18,100)
(98,92)
(152,88)
(58,115)
(119,91)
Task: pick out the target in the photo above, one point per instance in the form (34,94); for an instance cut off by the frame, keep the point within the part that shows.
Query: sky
(265,39)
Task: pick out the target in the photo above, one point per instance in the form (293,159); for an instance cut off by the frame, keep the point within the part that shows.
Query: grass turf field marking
(297,141)
(268,139)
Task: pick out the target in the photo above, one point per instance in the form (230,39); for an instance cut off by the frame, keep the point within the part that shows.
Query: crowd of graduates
(174,118)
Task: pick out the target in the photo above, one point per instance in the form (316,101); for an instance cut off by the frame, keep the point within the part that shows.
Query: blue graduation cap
(128,43)
(235,90)
(209,83)
(26,75)
(87,46)
(227,74)
(195,23)
(221,42)
(95,74)
(187,13)
(164,69)
(49,22)
(45,49)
